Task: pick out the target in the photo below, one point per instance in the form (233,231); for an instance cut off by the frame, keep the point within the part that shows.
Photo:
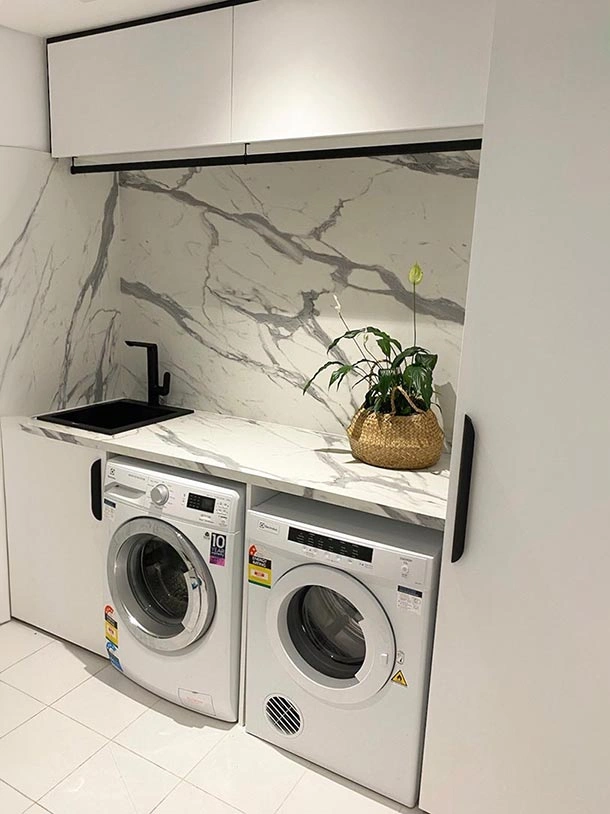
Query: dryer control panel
(165,492)
(400,554)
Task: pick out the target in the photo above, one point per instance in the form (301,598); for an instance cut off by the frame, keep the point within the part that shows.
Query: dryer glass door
(160,584)
(330,633)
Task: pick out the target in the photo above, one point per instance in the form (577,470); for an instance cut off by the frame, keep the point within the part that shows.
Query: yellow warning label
(112,633)
(258,575)
(399,678)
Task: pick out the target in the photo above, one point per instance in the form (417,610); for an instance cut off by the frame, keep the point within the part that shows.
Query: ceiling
(49,17)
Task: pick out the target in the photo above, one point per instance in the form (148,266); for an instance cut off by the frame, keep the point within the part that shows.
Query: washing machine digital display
(203,504)
(336,546)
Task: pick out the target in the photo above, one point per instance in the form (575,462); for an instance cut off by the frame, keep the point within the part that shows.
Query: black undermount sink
(111,417)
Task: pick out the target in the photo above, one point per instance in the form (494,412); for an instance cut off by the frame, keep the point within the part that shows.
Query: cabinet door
(56,544)
(5,608)
(519,709)
(163,85)
(326,67)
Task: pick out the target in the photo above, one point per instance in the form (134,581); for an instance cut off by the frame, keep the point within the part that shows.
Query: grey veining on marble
(297,461)
(59,304)
(232,270)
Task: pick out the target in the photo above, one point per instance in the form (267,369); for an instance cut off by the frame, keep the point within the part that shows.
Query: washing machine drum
(160,584)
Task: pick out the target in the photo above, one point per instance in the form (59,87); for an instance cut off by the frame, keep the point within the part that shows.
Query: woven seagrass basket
(396,441)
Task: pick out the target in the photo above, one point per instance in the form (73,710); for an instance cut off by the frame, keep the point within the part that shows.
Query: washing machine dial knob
(404,570)
(159,494)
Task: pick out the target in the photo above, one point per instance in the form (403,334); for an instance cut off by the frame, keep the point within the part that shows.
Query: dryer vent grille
(283,715)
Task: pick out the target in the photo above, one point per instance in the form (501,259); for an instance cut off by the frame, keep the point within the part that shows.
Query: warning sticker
(409,599)
(399,678)
(218,549)
(111,626)
(109,509)
(259,568)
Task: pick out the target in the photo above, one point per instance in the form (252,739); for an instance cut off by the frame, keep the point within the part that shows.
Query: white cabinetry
(55,543)
(163,85)
(327,67)
(5,607)
(23,91)
(519,709)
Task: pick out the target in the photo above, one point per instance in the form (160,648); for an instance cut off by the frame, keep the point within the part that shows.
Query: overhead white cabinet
(328,67)
(163,85)
(56,536)
(519,710)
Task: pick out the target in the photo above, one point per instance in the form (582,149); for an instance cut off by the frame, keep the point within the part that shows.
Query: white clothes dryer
(172,616)
(341,609)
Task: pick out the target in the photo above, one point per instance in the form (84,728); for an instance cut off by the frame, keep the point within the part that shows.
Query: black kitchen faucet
(152,357)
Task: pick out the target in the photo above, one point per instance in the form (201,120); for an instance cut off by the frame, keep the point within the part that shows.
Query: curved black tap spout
(152,358)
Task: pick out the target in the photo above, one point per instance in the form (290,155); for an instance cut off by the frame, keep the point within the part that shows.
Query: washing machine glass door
(160,584)
(330,633)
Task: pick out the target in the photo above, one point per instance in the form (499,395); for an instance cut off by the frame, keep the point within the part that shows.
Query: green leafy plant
(398,380)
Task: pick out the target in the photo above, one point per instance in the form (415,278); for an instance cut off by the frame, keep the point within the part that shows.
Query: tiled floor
(76,737)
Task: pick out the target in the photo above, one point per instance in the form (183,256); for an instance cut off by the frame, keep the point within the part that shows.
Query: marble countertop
(288,459)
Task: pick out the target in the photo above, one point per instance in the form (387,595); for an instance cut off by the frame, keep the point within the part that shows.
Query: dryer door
(330,633)
(160,584)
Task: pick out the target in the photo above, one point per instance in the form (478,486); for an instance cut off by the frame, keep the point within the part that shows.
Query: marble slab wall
(59,303)
(232,270)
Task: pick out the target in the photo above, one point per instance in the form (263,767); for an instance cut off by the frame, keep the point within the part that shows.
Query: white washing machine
(341,608)
(172,616)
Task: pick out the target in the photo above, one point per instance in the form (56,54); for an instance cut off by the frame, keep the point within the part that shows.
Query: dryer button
(384,658)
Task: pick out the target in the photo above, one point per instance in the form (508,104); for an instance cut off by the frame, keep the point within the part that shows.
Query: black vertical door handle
(463,494)
(96,489)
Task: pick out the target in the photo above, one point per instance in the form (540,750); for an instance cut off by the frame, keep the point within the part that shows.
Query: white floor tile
(247,773)
(338,795)
(36,809)
(53,671)
(18,641)
(44,750)
(186,799)
(11,802)
(173,737)
(15,708)
(115,780)
(107,702)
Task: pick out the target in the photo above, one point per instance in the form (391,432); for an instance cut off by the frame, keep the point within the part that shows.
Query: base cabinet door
(56,537)
(519,710)
(331,67)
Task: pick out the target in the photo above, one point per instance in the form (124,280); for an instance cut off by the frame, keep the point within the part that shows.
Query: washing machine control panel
(180,498)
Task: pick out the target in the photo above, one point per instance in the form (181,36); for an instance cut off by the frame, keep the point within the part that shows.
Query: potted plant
(395,426)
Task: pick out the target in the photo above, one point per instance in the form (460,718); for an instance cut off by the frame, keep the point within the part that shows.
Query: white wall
(23,91)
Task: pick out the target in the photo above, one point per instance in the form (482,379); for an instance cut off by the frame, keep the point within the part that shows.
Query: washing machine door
(330,633)
(160,584)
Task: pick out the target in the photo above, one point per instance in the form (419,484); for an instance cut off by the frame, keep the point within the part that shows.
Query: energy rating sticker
(111,626)
(259,569)
(399,678)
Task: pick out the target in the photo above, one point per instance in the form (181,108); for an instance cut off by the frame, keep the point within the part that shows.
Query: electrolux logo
(270,528)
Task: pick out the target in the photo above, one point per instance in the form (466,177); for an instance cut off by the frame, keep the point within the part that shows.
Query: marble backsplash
(59,303)
(232,270)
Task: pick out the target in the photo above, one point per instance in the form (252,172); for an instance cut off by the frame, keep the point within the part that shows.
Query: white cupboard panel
(326,67)
(24,118)
(164,85)
(519,709)
(5,607)
(56,546)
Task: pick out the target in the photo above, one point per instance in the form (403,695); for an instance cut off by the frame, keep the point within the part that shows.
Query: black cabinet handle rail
(463,494)
(96,489)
